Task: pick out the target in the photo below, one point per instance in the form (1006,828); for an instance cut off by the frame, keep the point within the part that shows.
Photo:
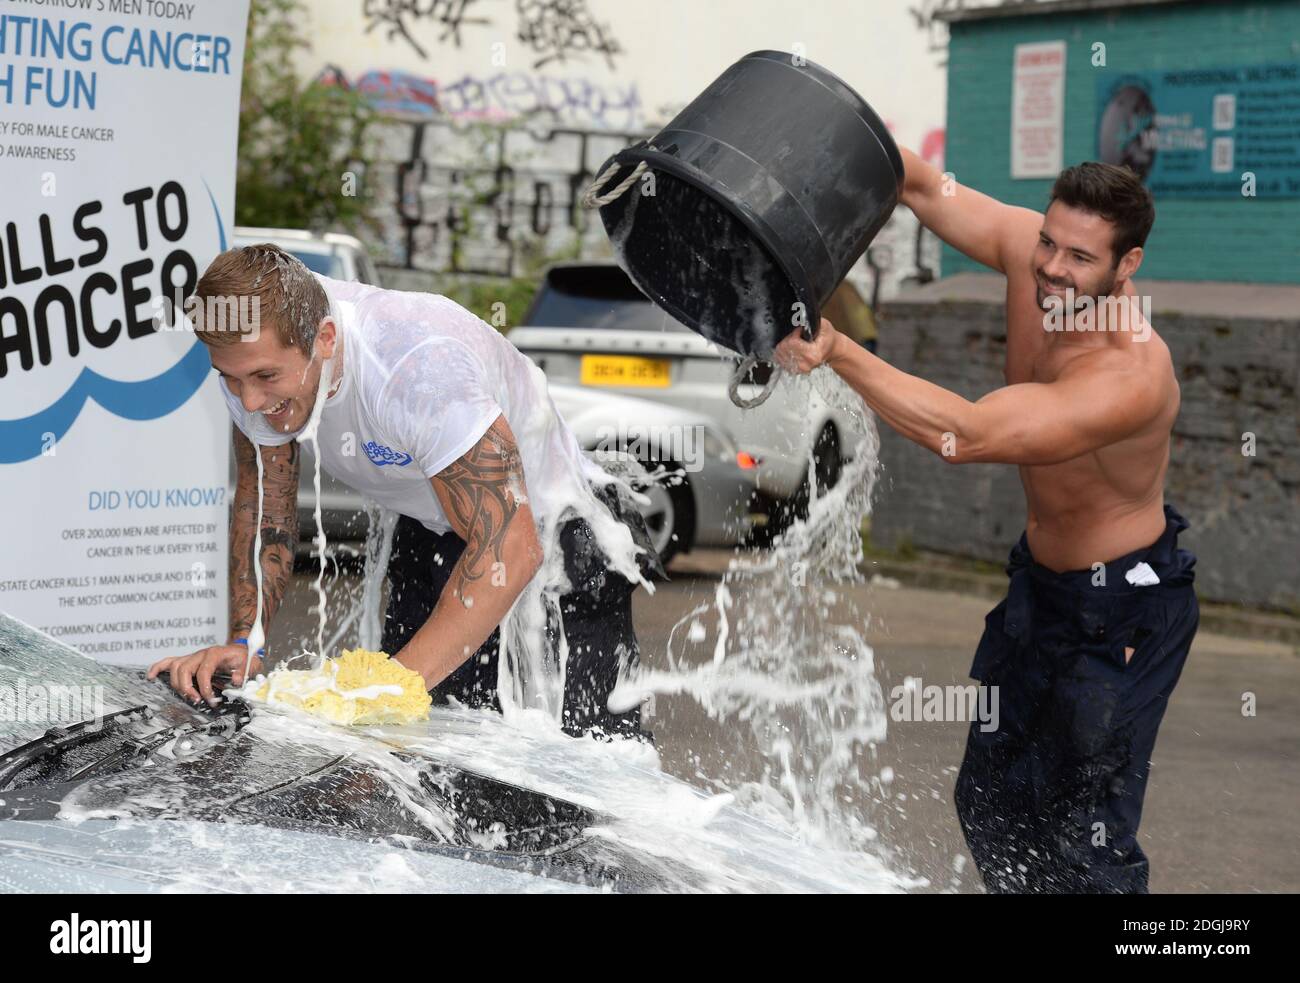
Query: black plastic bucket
(767,188)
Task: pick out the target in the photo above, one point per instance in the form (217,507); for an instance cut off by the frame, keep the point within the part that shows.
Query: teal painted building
(1214,235)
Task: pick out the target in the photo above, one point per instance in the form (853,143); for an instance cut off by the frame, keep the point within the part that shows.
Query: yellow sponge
(358,688)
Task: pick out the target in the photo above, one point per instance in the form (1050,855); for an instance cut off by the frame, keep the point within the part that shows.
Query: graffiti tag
(396,16)
(555,29)
(504,95)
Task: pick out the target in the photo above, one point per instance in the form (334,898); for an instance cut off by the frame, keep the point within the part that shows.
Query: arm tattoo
(484,490)
(279,531)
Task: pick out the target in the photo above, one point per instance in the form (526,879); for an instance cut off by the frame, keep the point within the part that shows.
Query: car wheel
(670,517)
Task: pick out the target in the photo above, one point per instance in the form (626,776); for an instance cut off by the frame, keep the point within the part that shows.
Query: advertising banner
(1205,132)
(118,133)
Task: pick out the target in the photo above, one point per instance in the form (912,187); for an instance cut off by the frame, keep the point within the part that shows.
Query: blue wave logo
(145,399)
(381,456)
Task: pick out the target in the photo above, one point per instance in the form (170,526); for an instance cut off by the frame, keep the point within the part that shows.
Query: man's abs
(1097,507)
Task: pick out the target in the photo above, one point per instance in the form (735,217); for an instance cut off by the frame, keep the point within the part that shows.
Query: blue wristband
(244,642)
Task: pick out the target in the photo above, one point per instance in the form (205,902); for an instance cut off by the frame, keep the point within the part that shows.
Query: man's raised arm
(1100,398)
(985,229)
(486,501)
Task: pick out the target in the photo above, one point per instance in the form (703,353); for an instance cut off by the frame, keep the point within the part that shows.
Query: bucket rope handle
(742,369)
(592,198)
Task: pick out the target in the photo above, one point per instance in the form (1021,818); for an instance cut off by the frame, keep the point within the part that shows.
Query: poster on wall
(1205,132)
(118,132)
(1037,109)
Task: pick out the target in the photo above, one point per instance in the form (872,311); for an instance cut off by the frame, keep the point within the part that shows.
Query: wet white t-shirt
(423,379)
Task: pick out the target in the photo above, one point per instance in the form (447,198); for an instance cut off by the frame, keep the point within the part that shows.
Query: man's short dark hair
(1115,193)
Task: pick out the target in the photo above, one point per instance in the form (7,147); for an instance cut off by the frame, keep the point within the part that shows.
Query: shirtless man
(1100,612)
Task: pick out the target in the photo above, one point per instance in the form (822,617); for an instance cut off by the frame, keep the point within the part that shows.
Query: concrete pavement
(1224,791)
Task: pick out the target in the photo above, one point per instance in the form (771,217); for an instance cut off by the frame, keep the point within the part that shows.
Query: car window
(326,264)
(366,272)
(595,297)
(28,654)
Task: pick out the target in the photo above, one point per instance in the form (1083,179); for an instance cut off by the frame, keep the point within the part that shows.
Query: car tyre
(670,518)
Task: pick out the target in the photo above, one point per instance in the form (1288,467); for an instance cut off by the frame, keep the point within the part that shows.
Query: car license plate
(625,370)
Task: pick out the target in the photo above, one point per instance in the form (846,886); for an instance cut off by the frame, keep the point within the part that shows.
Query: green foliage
(480,295)
(298,142)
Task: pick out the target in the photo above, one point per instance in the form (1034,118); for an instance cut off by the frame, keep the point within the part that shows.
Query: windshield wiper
(58,740)
(229,718)
(49,750)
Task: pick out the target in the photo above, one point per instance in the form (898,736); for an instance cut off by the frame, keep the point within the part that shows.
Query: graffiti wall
(548,30)
(497,113)
(485,199)
(502,96)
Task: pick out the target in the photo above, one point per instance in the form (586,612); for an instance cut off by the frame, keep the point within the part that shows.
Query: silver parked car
(589,325)
(697,483)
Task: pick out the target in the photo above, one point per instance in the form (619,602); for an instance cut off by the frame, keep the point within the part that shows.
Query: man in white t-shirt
(426,410)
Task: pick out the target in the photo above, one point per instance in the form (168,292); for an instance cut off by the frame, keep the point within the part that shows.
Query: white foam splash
(790,664)
(379,549)
(310,433)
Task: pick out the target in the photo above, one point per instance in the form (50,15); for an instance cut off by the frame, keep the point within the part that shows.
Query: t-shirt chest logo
(381,456)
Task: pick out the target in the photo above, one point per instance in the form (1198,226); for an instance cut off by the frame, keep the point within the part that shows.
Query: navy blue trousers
(1050,800)
(596,614)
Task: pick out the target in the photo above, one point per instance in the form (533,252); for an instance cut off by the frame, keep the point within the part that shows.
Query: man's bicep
(280,471)
(280,462)
(484,488)
(1018,232)
(979,226)
(1046,423)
